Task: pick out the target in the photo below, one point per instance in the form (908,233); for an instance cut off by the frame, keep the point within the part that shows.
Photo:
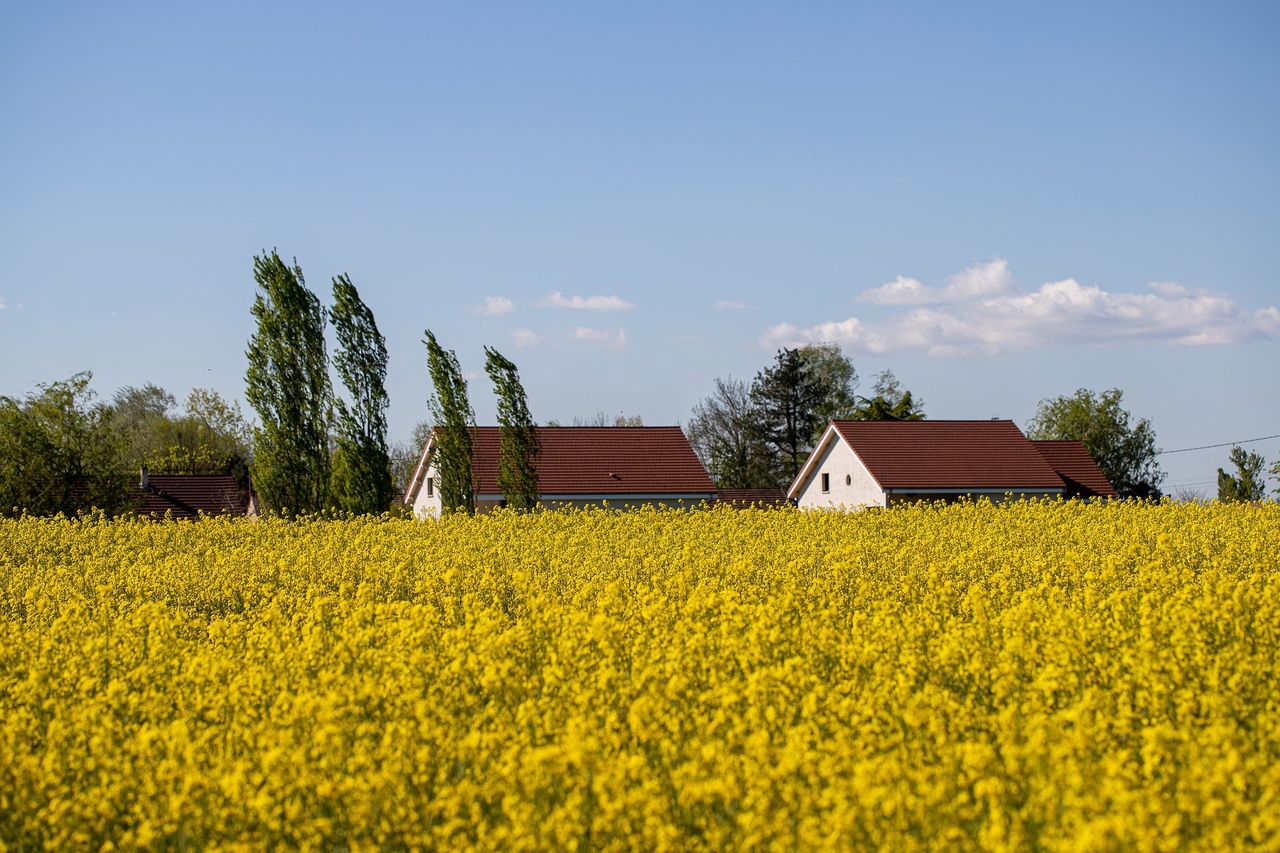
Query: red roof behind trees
(1076,467)
(743,498)
(991,454)
(186,495)
(597,461)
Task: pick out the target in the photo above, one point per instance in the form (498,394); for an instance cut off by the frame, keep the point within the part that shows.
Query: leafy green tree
(209,437)
(834,375)
(361,478)
(287,384)
(723,431)
(517,457)
(1275,475)
(1248,483)
(889,402)
(1126,452)
(789,399)
(60,452)
(453,421)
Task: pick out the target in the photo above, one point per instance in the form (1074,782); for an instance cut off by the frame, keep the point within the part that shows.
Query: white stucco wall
(424,506)
(839,460)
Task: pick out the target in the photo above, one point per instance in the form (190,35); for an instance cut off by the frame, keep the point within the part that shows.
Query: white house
(860,464)
(580,466)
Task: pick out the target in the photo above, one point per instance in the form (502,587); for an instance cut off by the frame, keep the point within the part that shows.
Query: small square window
(431,487)
(826,483)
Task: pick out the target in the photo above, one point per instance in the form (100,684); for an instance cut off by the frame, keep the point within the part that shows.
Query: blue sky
(978,196)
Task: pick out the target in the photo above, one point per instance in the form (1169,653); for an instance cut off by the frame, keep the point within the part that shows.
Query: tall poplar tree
(361,479)
(287,383)
(453,421)
(517,456)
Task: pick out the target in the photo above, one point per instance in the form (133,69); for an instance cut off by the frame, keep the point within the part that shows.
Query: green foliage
(759,437)
(1125,452)
(453,421)
(889,402)
(209,437)
(59,452)
(517,457)
(837,381)
(1248,483)
(361,476)
(795,397)
(724,432)
(287,384)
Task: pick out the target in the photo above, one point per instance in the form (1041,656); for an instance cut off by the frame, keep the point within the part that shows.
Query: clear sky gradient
(632,199)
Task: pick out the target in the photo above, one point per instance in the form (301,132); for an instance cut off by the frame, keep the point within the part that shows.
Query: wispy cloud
(616,339)
(3,304)
(731,305)
(989,279)
(982,311)
(587,303)
(527,338)
(495,306)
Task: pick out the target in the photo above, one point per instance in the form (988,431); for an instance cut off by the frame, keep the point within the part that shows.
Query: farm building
(187,496)
(880,463)
(581,466)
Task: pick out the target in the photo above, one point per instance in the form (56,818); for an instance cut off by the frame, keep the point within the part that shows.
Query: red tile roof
(752,497)
(592,461)
(991,454)
(1076,467)
(186,495)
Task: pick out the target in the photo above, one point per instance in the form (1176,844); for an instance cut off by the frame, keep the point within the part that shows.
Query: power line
(1224,444)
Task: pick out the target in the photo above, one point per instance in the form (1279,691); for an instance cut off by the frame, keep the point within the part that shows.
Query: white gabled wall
(425,506)
(839,461)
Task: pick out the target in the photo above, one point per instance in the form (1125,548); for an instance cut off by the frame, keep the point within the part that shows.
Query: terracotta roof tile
(186,495)
(1073,463)
(598,461)
(992,454)
(752,497)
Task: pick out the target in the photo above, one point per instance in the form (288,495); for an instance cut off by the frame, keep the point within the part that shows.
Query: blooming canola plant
(1034,674)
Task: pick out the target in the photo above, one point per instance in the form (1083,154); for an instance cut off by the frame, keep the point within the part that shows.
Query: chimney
(144,482)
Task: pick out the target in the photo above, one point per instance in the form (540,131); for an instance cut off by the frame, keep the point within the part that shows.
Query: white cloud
(3,305)
(616,339)
(527,338)
(977,282)
(987,314)
(900,291)
(731,305)
(587,303)
(496,306)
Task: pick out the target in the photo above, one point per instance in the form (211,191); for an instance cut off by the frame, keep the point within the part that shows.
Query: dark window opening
(826,483)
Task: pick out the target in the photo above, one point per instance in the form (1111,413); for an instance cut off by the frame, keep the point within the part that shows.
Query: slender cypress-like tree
(361,479)
(517,457)
(453,420)
(287,384)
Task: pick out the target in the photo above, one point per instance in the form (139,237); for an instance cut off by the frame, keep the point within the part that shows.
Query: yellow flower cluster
(1032,675)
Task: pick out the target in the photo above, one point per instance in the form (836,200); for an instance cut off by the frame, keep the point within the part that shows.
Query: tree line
(315,448)
(759,435)
(64,450)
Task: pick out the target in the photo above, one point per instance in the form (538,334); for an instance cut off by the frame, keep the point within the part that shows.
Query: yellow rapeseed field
(1034,675)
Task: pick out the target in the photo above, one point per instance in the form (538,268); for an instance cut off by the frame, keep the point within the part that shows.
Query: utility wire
(1224,444)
